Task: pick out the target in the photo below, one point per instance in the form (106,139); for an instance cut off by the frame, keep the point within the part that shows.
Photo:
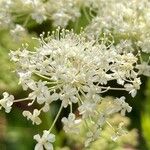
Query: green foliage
(146,116)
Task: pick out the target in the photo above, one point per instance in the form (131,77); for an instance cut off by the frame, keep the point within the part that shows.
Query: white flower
(63,11)
(144,68)
(68,95)
(92,91)
(25,80)
(45,141)
(70,124)
(38,12)
(39,15)
(40,92)
(62,19)
(18,32)
(132,88)
(33,117)
(5,18)
(74,69)
(122,106)
(87,109)
(6,102)
(120,21)
(144,43)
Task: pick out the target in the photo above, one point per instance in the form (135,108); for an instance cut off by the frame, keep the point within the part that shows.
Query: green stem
(110,125)
(26,21)
(111,88)
(42,76)
(86,14)
(56,118)
(21,100)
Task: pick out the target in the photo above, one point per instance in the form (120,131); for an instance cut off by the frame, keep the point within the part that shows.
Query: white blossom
(39,14)
(25,80)
(144,68)
(33,117)
(74,69)
(6,102)
(18,32)
(115,16)
(40,92)
(45,141)
(144,43)
(68,96)
(132,88)
(63,11)
(71,124)
(122,106)
(5,16)
(87,109)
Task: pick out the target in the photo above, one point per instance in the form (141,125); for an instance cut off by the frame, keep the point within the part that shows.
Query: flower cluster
(116,128)
(5,16)
(126,18)
(76,69)
(61,12)
(69,68)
